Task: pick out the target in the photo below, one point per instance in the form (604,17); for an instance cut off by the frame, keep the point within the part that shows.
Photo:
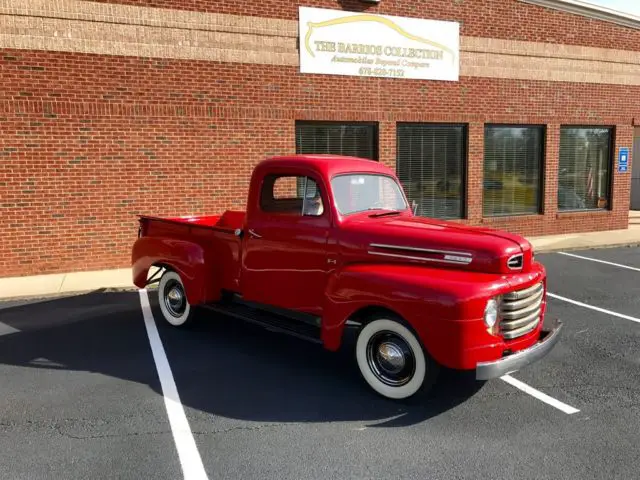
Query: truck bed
(229,221)
(204,249)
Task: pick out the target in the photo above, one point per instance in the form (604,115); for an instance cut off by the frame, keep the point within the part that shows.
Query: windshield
(360,192)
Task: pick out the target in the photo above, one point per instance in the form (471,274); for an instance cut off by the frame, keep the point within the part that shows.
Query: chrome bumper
(514,362)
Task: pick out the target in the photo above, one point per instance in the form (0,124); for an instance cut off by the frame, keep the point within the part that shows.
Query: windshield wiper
(390,212)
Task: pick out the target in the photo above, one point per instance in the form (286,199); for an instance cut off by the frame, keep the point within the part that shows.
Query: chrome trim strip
(426,250)
(525,302)
(409,257)
(516,314)
(520,322)
(518,294)
(520,331)
(457,258)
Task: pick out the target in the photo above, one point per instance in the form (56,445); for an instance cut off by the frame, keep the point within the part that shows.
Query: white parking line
(591,307)
(539,395)
(192,467)
(599,261)
(7,329)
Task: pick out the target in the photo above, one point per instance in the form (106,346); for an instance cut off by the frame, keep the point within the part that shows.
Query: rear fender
(185,258)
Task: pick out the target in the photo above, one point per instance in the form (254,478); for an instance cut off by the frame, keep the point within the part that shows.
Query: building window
(513,161)
(584,171)
(337,138)
(430,164)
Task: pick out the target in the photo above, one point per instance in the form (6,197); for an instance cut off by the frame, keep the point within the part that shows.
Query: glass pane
(512,170)
(430,166)
(356,193)
(337,139)
(286,187)
(584,168)
(280,194)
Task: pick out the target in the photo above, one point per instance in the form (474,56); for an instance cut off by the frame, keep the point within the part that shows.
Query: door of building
(635,171)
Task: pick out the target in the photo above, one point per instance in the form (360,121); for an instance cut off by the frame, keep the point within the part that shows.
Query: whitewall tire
(172,299)
(392,361)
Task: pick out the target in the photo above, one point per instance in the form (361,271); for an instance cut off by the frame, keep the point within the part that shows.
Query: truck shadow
(222,366)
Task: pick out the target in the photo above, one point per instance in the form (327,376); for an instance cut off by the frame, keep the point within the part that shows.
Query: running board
(269,321)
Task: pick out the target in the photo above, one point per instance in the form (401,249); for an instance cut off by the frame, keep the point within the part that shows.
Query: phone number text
(381,72)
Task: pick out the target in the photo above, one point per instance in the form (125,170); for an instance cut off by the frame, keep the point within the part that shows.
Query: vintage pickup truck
(330,245)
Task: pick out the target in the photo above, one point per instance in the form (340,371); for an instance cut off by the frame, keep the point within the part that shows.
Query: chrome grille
(520,311)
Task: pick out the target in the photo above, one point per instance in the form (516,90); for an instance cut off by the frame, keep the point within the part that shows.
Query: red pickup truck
(330,245)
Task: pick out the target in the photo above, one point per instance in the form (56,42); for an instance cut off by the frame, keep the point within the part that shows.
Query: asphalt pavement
(85,394)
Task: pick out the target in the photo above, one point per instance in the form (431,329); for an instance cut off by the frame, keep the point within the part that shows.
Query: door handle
(253,233)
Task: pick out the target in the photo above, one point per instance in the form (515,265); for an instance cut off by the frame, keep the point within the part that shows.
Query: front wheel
(173,301)
(392,361)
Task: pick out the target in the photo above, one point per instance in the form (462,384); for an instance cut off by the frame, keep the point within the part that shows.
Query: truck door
(284,258)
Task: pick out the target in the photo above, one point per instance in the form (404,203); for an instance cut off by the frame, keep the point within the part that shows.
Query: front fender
(428,299)
(186,258)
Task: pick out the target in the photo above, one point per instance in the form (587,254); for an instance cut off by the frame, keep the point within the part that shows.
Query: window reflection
(512,170)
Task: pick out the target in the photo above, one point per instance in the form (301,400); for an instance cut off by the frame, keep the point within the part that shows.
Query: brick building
(110,109)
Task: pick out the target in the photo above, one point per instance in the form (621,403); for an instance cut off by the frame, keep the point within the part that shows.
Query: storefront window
(353,139)
(584,168)
(430,165)
(513,159)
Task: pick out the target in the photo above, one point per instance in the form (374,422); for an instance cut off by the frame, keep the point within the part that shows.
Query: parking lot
(85,393)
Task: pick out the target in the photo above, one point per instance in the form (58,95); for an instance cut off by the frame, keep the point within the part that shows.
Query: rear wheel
(173,301)
(392,361)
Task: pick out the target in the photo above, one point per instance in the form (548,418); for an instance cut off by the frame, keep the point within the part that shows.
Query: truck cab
(329,245)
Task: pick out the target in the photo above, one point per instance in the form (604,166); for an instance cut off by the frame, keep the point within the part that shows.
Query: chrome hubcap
(174,298)
(391,359)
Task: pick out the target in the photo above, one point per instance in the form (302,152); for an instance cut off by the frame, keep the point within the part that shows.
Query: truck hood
(438,243)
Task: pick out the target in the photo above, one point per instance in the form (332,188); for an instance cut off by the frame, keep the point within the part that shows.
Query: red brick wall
(510,19)
(87,142)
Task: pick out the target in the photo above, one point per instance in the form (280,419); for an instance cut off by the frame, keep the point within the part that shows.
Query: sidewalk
(578,241)
(66,283)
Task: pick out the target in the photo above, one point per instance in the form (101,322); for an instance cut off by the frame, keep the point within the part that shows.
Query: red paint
(329,266)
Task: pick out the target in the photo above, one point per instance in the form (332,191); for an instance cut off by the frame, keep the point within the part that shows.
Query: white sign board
(361,44)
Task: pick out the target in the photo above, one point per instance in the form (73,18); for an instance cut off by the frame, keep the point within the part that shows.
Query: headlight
(491,313)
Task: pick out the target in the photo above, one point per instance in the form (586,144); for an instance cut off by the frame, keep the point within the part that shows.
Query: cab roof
(326,165)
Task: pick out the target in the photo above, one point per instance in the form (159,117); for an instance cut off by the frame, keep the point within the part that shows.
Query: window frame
(375,126)
(464,171)
(270,185)
(611,163)
(541,201)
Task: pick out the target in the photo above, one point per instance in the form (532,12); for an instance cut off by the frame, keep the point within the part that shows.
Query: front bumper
(518,360)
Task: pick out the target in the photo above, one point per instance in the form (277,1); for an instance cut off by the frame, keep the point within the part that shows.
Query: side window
(291,195)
